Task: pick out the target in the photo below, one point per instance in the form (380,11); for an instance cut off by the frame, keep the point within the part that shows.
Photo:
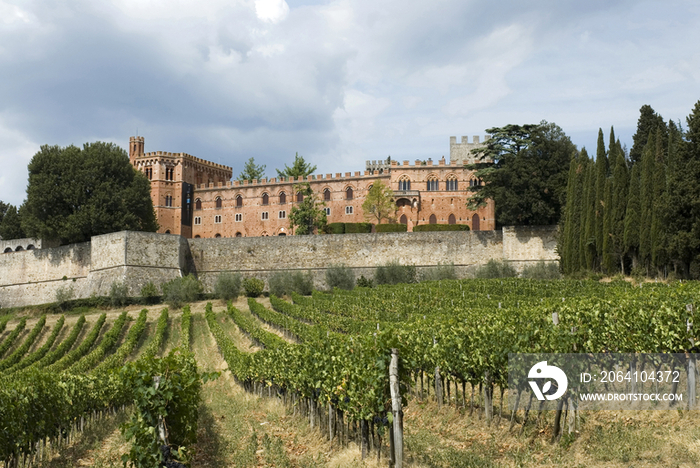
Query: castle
(197,199)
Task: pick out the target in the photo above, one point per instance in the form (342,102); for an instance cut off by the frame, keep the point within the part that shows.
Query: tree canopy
(251,171)
(524,171)
(300,168)
(307,216)
(10,225)
(76,193)
(379,203)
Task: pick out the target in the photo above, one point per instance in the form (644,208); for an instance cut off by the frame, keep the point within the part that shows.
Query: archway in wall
(197,236)
(19,249)
(432,219)
(475,222)
(282,234)
(403,219)
(8,250)
(217,235)
(30,247)
(238,234)
(451,219)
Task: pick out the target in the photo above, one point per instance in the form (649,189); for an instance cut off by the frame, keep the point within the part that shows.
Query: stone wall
(135,258)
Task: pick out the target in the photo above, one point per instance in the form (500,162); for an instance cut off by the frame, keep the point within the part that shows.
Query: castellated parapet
(461,153)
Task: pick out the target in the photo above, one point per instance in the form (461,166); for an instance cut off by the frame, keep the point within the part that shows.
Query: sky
(340,82)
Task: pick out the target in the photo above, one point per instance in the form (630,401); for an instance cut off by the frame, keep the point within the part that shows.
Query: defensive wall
(134,258)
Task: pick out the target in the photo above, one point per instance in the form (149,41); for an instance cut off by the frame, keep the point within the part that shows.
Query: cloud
(272,11)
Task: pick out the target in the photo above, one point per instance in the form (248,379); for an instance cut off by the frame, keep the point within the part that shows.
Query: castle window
(475,182)
(239,217)
(265,199)
(219,203)
(348,193)
(348,210)
(451,219)
(217,219)
(328,211)
(327,195)
(197,220)
(300,197)
(432,219)
(404,183)
(451,184)
(198,204)
(265,215)
(239,201)
(282,215)
(283,198)
(433,184)
(168,200)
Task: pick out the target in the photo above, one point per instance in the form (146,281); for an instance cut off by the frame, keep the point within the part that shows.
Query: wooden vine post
(396,409)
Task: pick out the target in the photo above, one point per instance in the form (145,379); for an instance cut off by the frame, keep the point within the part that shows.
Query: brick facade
(197,199)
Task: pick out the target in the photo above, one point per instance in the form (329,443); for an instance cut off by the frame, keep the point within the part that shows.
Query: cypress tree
(632,217)
(566,250)
(691,173)
(601,165)
(609,263)
(676,214)
(619,204)
(583,212)
(646,198)
(648,120)
(590,213)
(658,241)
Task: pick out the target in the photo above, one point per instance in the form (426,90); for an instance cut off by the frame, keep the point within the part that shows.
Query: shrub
(149,293)
(283,283)
(178,291)
(363,282)
(228,286)
(340,276)
(542,270)
(496,269)
(357,228)
(440,272)
(394,273)
(440,227)
(390,228)
(64,296)
(336,228)
(303,283)
(253,287)
(118,294)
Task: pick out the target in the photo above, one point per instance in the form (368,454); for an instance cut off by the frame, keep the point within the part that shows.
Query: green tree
(658,209)
(379,203)
(633,216)
(524,169)
(11,227)
(251,171)
(601,175)
(307,216)
(300,168)
(588,231)
(609,263)
(646,199)
(648,120)
(76,193)
(3,209)
(620,189)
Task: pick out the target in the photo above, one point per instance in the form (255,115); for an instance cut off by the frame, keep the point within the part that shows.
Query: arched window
(403,219)
(452,219)
(217,235)
(19,249)
(168,231)
(30,247)
(283,198)
(8,250)
(404,183)
(198,204)
(239,200)
(219,202)
(475,222)
(238,234)
(432,184)
(432,219)
(282,234)
(265,199)
(451,184)
(326,195)
(348,193)
(300,197)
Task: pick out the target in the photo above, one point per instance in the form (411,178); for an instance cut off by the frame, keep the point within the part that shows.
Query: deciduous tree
(307,216)
(379,203)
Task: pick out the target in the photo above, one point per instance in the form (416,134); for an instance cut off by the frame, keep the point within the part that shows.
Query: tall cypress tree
(648,120)
(609,263)
(601,165)
(566,249)
(590,212)
(583,212)
(658,241)
(619,205)
(677,214)
(632,216)
(646,198)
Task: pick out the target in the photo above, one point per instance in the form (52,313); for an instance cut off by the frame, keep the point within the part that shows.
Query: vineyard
(305,381)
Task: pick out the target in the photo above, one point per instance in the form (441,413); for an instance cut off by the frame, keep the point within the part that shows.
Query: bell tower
(136,145)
